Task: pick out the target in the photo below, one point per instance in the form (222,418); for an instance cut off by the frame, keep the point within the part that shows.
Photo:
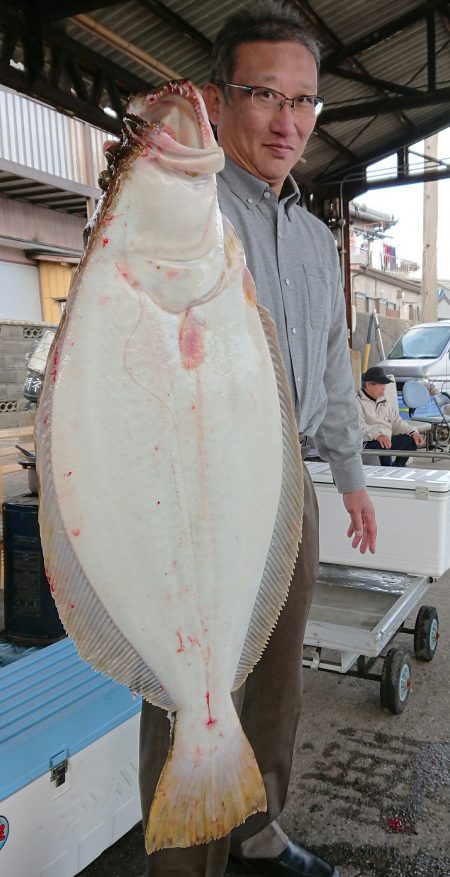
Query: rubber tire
(396,666)
(427,619)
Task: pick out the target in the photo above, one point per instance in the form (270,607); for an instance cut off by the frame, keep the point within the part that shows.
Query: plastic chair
(415,395)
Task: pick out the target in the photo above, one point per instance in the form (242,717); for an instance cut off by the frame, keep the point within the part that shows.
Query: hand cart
(356,614)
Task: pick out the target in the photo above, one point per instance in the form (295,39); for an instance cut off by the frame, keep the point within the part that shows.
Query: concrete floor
(369,791)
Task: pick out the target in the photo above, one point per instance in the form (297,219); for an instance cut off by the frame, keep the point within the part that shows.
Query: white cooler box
(68,763)
(413,517)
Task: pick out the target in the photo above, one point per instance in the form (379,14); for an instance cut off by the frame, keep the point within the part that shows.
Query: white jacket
(378,417)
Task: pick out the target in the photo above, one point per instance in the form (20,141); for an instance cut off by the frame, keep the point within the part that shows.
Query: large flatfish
(170,478)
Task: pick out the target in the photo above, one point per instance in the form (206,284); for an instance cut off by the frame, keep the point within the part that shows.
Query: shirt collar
(250,189)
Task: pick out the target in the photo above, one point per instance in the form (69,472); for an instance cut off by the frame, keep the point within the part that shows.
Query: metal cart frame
(355,615)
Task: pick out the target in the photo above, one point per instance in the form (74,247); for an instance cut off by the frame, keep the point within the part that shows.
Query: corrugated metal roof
(359,37)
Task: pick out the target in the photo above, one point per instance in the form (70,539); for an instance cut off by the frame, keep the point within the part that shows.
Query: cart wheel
(395,681)
(426,633)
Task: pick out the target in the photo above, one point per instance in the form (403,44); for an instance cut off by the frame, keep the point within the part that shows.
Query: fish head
(172,123)
(174,239)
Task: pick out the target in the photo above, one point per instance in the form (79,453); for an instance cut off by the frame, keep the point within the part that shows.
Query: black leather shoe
(293,860)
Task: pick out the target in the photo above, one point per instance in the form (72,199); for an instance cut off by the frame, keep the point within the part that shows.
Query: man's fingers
(363,528)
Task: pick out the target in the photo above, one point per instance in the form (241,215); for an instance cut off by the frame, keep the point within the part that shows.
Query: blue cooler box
(68,763)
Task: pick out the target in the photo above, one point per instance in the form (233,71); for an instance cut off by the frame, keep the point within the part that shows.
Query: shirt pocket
(318,285)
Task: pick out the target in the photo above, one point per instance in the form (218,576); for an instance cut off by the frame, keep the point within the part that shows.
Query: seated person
(381,425)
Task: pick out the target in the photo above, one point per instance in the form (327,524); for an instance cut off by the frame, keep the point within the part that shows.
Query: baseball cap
(376,375)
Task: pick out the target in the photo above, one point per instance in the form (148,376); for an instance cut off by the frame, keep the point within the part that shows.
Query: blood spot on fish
(249,287)
(105,241)
(54,367)
(45,420)
(104,299)
(108,219)
(125,272)
(193,641)
(181,647)
(174,563)
(172,272)
(156,447)
(67,474)
(193,407)
(158,502)
(72,605)
(75,532)
(191,341)
(210,721)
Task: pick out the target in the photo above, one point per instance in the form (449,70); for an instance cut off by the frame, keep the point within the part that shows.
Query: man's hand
(418,439)
(384,441)
(363,525)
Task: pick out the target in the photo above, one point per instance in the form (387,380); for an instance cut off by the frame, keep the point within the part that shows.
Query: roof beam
(52,10)
(178,23)
(387,30)
(131,49)
(377,107)
(335,144)
(32,40)
(335,177)
(380,86)
(371,81)
(60,99)
(431,52)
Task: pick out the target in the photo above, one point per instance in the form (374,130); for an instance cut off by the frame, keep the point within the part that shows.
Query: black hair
(271,21)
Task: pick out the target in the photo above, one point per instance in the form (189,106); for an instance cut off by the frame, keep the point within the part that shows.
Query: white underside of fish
(170,502)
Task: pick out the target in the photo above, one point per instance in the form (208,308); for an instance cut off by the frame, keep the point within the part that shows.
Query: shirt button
(287,281)
(266,194)
(249,200)
(294,330)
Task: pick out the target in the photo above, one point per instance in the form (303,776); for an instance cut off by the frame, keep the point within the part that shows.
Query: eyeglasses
(269,99)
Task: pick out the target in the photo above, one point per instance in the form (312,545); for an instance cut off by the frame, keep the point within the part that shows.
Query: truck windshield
(421,343)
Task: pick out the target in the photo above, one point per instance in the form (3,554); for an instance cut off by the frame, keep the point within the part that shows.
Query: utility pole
(429,257)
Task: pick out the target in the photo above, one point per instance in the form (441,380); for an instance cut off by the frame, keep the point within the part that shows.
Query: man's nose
(283,120)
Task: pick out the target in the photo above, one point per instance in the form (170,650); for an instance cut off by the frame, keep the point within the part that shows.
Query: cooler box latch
(58,767)
(422,491)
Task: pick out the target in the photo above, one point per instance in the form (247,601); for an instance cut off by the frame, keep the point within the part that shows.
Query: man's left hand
(363,525)
(418,439)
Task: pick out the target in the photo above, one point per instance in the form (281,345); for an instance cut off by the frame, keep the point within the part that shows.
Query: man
(262,54)
(380,423)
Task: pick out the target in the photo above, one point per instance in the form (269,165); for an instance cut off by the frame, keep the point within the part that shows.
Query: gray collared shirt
(292,256)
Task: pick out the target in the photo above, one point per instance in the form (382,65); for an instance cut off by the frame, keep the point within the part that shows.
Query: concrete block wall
(17,340)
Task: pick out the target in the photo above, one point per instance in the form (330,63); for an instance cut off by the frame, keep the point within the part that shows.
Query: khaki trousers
(269,706)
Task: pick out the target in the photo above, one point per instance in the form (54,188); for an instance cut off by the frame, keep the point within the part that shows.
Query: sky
(406,204)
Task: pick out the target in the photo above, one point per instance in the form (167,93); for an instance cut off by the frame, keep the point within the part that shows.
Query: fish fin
(206,791)
(97,638)
(287,532)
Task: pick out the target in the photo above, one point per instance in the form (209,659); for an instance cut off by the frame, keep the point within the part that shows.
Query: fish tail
(206,788)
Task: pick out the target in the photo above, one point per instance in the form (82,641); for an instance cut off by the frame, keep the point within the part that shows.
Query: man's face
(266,143)
(375,391)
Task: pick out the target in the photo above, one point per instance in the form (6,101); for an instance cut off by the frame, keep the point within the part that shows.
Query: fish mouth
(174,119)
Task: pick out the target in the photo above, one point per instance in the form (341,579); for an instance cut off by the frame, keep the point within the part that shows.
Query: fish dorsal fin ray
(287,531)
(98,639)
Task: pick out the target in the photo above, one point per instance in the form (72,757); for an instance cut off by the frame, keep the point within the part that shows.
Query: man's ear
(211,96)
